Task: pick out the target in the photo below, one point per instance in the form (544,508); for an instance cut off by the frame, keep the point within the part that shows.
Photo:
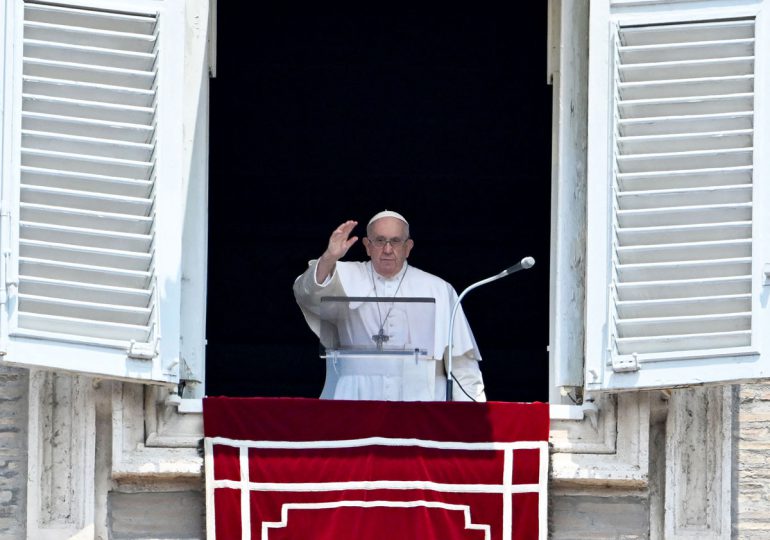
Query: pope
(387,276)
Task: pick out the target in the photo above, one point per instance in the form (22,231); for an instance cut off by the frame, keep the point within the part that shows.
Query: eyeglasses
(394,242)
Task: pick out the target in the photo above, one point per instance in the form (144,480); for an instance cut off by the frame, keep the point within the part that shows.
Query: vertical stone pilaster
(698,464)
(60,485)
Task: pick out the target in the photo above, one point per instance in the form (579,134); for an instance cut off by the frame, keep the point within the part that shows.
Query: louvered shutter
(86,233)
(680,294)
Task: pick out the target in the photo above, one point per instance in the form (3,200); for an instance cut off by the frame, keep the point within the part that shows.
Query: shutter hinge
(766,271)
(143,351)
(625,363)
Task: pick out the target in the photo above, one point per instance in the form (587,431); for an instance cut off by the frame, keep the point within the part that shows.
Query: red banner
(314,469)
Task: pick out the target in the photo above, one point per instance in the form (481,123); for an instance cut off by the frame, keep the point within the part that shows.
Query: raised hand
(339,243)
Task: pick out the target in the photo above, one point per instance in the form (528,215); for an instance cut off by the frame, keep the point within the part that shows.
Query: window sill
(567,412)
(558,412)
(191,406)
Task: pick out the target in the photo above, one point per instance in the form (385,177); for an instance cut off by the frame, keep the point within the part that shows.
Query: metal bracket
(188,374)
(143,351)
(591,411)
(626,363)
(766,271)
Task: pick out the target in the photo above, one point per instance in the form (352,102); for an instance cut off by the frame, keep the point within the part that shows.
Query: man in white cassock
(386,276)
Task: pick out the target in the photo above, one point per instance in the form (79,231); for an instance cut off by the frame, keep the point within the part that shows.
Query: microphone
(524,264)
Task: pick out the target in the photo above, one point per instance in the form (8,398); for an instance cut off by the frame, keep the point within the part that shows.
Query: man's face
(388,259)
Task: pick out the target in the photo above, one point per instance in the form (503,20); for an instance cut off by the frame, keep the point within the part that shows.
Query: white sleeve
(308,293)
(466,371)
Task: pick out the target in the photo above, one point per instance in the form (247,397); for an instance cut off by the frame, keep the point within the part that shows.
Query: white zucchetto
(387,213)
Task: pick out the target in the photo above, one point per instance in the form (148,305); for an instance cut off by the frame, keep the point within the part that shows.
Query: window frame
(716,366)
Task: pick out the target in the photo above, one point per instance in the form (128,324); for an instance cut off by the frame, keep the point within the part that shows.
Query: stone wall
(14,384)
(751,454)
(598,516)
(175,509)
(178,515)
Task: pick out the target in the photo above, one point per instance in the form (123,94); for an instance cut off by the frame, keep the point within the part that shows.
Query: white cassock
(372,379)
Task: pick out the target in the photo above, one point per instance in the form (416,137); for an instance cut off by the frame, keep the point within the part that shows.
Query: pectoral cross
(380,338)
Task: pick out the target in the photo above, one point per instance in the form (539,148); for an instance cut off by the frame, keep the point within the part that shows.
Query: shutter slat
(109,258)
(700,105)
(690,342)
(93,56)
(87,146)
(101,129)
(678,234)
(679,88)
(688,178)
(693,123)
(691,50)
(84,310)
(90,19)
(85,219)
(688,69)
(94,110)
(133,207)
(667,326)
(688,32)
(645,272)
(699,196)
(716,140)
(56,326)
(684,215)
(673,161)
(704,305)
(690,251)
(34,176)
(86,237)
(71,290)
(92,275)
(89,74)
(89,37)
(84,91)
(77,163)
(691,288)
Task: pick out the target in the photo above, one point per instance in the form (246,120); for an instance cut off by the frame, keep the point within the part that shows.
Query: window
(676,136)
(91,188)
(435,116)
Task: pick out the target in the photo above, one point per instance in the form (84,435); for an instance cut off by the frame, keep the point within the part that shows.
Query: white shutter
(681,288)
(87,175)
(86,227)
(681,274)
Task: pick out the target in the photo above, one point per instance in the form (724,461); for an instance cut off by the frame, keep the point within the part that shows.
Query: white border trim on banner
(465,509)
(506,488)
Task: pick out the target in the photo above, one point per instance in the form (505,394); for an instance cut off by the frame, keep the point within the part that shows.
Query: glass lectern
(368,340)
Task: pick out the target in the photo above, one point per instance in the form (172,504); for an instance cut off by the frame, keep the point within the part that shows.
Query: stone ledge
(609,450)
(159,463)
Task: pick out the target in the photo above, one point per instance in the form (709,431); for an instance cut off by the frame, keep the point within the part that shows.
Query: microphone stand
(524,264)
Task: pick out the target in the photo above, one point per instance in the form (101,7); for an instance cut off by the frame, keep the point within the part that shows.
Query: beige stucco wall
(14,384)
(751,443)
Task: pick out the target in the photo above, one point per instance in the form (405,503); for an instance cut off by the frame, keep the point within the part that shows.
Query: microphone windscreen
(525,263)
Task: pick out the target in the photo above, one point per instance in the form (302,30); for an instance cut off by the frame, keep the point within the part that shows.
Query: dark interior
(320,119)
